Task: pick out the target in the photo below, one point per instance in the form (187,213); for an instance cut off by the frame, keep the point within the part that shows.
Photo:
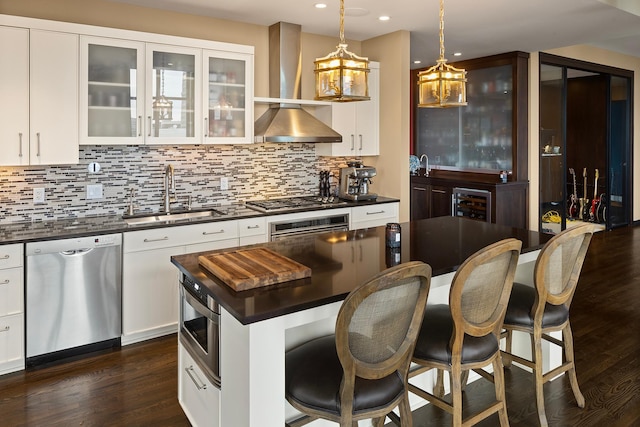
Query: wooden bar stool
(360,372)
(544,308)
(465,334)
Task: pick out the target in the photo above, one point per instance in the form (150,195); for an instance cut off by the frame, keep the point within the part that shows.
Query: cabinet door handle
(360,142)
(156,240)
(5,282)
(206,233)
(252,227)
(149,120)
(438,191)
(200,385)
(38,139)
(139,125)
(6,256)
(419,189)
(375,213)
(206,127)
(20,144)
(353,142)
(5,329)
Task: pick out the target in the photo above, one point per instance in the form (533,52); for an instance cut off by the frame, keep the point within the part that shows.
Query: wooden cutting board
(252,268)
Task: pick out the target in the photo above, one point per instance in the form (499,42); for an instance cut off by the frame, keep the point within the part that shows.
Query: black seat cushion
(313,374)
(435,335)
(520,304)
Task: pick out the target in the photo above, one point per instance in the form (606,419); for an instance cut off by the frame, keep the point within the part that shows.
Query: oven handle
(198,306)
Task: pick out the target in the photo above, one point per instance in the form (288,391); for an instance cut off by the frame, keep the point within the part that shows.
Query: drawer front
(11,256)
(199,399)
(179,236)
(153,239)
(252,227)
(11,291)
(11,341)
(374,212)
(211,232)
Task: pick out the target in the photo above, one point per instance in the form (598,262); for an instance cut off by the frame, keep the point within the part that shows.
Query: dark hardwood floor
(137,385)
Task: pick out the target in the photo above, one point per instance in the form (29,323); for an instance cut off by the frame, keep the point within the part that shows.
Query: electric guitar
(595,201)
(584,202)
(573,207)
(601,210)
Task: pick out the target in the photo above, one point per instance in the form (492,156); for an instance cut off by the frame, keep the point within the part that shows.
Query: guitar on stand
(595,201)
(573,202)
(601,209)
(584,202)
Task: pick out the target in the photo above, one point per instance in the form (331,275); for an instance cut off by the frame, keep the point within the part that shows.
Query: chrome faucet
(426,168)
(169,188)
(132,194)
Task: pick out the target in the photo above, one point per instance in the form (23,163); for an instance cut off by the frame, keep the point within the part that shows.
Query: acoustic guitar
(573,201)
(584,202)
(595,201)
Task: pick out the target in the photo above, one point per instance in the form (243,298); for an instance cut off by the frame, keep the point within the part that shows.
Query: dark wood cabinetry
(507,202)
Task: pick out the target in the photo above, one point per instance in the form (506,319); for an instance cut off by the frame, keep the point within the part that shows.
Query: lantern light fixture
(342,76)
(442,85)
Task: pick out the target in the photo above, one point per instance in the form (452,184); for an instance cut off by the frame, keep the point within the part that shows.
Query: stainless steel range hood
(287,121)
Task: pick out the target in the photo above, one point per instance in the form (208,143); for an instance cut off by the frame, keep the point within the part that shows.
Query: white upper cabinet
(111,91)
(136,92)
(173,105)
(357,122)
(228,103)
(39,114)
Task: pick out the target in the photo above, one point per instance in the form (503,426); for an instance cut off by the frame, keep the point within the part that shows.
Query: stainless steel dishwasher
(73,297)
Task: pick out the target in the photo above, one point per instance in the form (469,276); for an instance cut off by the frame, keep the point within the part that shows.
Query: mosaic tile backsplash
(254,171)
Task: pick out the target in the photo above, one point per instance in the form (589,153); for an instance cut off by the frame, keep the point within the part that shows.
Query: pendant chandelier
(342,76)
(162,105)
(442,85)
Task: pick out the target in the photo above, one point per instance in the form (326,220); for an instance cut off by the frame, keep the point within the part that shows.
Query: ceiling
(474,28)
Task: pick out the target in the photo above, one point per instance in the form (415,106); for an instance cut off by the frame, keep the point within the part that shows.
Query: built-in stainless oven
(200,328)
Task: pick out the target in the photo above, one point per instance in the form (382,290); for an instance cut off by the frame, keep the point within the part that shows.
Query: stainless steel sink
(171,217)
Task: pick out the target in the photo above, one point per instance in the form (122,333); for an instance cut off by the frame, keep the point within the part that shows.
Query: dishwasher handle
(76,252)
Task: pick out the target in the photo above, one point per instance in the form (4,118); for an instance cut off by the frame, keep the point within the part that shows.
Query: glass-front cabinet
(111,79)
(228,115)
(174,90)
(144,93)
(487,135)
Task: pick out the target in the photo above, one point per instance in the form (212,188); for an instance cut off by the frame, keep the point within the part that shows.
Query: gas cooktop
(294,203)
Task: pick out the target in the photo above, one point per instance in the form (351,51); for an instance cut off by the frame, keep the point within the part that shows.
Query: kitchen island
(257,326)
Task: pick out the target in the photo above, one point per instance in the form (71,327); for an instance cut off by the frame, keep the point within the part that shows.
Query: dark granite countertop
(341,260)
(22,232)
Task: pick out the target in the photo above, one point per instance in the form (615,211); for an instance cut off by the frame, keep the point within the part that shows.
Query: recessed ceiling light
(417,61)
(457,54)
(384,18)
(320,5)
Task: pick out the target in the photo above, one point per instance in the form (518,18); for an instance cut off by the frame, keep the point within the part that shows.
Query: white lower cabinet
(11,308)
(149,280)
(373,215)
(199,398)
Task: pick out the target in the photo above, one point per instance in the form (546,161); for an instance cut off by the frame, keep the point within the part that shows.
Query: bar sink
(171,217)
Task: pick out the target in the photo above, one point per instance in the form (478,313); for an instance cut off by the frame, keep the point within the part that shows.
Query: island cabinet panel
(507,202)
(11,308)
(199,398)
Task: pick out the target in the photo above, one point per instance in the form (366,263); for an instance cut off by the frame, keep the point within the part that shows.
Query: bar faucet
(426,168)
(169,188)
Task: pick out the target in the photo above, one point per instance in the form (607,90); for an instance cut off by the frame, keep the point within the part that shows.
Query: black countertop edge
(24,232)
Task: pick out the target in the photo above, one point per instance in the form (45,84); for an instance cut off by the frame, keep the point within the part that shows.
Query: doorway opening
(585,144)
